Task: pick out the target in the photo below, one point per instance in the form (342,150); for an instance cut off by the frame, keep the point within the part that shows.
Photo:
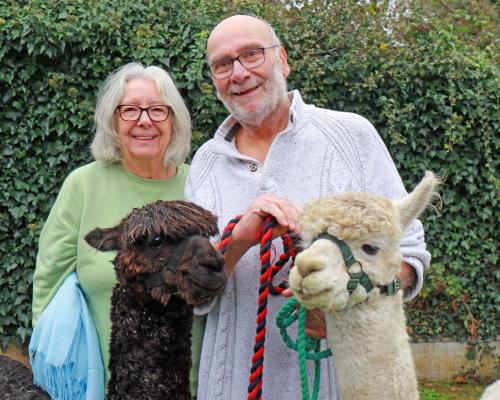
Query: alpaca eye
(139,241)
(157,241)
(369,249)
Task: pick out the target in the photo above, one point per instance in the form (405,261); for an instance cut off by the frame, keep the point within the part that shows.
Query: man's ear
(285,68)
(104,239)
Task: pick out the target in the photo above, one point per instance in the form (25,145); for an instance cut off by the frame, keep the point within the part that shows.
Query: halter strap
(361,277)
(344,248)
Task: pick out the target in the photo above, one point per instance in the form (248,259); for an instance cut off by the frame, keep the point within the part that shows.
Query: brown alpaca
(16,382)
(164,265)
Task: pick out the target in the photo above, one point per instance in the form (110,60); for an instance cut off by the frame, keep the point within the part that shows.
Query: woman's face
(144,140)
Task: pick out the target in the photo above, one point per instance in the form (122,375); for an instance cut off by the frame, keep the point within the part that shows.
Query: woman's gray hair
(106,143)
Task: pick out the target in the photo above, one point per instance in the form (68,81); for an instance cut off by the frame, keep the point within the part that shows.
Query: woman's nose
(144,118)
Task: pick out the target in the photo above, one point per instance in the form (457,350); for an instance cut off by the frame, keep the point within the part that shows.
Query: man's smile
(246,91)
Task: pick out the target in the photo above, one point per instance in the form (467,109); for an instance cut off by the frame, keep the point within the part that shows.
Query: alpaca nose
(305,264)
(215,263)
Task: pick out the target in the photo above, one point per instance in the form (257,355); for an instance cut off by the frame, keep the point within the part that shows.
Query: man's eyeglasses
(155,113)
(250,59)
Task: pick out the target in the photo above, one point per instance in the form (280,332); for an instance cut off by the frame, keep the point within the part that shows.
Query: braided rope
(290,243)
(267,272)
(226,234)
(256,372)
(304,345)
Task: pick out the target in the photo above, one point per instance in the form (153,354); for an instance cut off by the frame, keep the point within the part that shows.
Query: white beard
(274,96)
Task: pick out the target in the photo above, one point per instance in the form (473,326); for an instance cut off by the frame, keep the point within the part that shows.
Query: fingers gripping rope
(267,272)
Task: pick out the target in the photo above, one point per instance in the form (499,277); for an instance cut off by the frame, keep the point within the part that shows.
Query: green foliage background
(427,79)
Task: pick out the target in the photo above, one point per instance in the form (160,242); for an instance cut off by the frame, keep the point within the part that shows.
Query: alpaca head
(370,227)
(163,249)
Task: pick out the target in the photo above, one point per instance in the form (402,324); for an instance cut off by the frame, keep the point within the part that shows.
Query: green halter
(359,278)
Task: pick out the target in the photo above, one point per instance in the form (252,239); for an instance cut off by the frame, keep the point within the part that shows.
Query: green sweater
(95,195)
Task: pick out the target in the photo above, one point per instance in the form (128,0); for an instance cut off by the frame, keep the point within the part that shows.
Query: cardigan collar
(224,136)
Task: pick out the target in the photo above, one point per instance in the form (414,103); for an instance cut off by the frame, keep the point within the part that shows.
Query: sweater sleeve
(197,189)
(57,246)
(380,176)
(189,194)
(201,164)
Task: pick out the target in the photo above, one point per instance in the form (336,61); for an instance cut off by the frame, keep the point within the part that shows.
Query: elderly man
(271,155)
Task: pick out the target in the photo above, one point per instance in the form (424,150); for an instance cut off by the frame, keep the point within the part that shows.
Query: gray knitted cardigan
(321,152)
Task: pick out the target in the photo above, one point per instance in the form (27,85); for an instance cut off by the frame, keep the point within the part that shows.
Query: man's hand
(245,233)
(408,277)
(315,321)
(315,324)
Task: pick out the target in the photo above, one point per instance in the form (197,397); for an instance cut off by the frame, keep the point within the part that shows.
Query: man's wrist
(408,277)
(233,254)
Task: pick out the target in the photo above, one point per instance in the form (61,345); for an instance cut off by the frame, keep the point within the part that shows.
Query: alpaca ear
(104,239)
(411,206)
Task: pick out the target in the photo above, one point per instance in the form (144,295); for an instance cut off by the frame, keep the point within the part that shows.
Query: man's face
(250,95)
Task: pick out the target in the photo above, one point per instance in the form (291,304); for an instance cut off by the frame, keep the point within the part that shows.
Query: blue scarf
(64,349)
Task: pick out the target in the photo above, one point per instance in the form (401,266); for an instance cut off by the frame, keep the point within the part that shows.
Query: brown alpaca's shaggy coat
(16,382)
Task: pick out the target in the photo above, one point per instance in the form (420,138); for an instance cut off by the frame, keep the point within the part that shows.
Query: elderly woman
(143,133)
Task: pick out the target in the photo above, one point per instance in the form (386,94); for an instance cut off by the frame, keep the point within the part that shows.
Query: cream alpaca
(366,326)
(492,392)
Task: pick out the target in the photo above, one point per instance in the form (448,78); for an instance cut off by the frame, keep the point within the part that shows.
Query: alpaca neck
(150,347)
(370,349)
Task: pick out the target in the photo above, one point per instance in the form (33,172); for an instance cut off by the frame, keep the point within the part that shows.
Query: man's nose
(239,71)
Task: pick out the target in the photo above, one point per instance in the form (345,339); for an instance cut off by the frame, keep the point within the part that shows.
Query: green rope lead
(303,346)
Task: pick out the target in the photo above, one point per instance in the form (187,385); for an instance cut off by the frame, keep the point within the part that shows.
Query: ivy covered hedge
(425,75)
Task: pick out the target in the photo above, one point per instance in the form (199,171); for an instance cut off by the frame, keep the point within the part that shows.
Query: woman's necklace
(159,194)
(144,202)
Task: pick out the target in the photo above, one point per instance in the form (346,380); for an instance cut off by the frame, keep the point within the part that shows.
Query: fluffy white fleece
(492,392)
(366,331)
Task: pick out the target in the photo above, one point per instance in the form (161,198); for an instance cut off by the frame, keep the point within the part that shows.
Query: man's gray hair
(274,36)
(106,143)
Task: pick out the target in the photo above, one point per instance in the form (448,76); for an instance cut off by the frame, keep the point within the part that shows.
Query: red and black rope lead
(267,272)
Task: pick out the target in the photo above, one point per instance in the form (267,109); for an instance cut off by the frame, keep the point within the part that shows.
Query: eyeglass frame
(233,59)
(142,109)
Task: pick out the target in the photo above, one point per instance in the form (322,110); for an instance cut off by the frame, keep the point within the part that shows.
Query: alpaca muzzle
(157,279)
